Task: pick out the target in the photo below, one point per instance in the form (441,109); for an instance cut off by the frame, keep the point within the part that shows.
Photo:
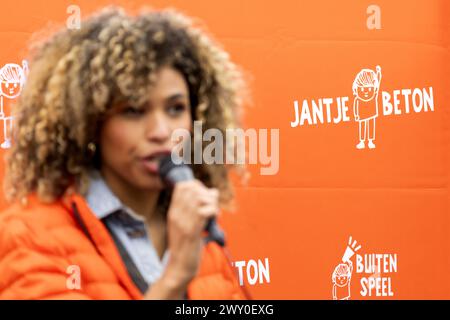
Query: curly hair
(77,75)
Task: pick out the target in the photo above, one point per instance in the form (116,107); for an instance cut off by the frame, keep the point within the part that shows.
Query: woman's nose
(158,128)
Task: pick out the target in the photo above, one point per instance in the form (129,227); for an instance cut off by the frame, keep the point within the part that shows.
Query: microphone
(172,173)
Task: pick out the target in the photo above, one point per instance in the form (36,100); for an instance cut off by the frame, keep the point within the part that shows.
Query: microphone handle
(184,173)
(214,232)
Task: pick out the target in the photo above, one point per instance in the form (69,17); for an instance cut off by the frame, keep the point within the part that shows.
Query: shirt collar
(102,200)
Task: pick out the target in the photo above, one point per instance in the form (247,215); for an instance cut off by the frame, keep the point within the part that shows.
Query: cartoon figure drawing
(341,278)
(365,105)
(342,274)
(12,78)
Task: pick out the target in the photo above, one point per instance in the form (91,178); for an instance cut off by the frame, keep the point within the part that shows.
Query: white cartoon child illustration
(342,274)
(365,105)
(12,77)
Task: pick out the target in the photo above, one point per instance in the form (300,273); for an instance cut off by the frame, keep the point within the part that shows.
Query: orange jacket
(40,242)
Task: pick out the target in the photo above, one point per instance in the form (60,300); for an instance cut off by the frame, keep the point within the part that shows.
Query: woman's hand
(191,207)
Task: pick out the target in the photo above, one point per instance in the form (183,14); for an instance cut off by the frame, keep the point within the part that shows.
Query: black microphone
(172,173)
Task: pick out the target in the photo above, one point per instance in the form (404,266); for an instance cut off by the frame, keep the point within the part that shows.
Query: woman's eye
(176,109)
(132,111)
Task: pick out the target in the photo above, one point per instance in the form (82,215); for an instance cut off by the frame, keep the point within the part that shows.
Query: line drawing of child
(342,276)
(12,78)
(365,105)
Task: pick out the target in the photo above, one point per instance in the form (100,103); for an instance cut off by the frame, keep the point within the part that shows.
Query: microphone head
(172,170)
(165,165)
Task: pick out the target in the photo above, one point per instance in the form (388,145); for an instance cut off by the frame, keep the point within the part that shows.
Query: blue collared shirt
(127,226)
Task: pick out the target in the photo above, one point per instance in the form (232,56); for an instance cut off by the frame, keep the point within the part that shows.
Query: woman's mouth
(151,162)
(151,166)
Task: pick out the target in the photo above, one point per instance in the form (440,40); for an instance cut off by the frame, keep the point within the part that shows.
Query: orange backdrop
(393,199)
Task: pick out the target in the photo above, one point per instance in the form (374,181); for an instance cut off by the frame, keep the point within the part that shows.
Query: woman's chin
(145,181)
(152,183)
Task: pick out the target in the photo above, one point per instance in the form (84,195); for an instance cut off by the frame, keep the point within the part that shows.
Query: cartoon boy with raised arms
(365,105)
(12,79)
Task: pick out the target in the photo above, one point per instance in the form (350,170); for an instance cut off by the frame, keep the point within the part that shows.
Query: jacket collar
(102,241)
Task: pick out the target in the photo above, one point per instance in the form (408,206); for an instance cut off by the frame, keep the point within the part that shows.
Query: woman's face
(132,140)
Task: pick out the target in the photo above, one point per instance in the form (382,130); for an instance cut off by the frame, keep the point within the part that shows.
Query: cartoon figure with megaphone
(342,274)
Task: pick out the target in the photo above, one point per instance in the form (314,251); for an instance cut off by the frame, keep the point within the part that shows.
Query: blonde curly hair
(77,75)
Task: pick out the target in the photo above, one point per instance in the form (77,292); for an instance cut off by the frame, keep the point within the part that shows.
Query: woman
(91,218)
